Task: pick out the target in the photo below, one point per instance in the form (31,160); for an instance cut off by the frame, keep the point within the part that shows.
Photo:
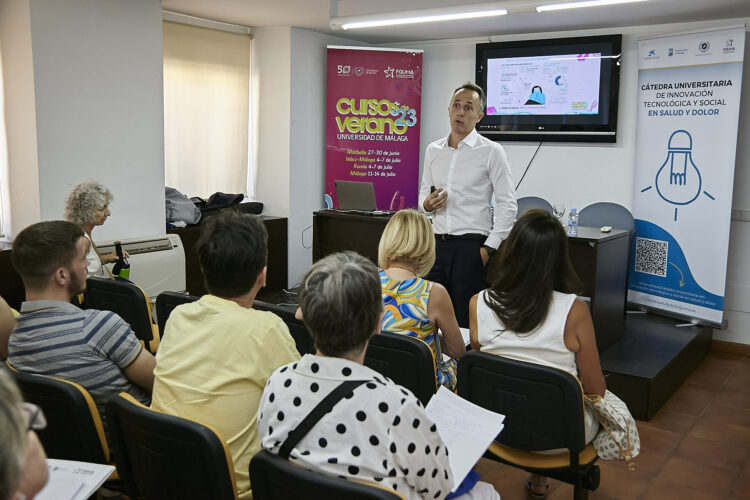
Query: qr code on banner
(651,256)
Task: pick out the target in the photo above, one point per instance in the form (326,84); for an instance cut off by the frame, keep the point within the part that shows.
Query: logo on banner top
(729,47)
(398,73)
(343,69)
(704,46)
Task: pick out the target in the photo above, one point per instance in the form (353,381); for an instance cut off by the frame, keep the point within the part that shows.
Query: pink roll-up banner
(373,111)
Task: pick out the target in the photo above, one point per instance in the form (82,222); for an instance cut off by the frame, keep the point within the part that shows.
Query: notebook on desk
(357,197)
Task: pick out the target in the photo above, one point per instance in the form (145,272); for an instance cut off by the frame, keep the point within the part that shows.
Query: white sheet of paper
(70,480)
(465,335)
(465,428)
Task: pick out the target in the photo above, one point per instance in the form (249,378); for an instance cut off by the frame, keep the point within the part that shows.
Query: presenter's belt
(467,236)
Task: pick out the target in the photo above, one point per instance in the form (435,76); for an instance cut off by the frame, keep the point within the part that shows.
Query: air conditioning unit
(157,264)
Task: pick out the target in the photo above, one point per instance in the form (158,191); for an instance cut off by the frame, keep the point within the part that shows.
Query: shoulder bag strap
(325,406)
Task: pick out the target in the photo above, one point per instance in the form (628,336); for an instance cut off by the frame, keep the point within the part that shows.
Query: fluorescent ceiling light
(577,5)
(418,16)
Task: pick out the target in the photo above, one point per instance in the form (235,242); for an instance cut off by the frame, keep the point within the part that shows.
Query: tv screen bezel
(601,127)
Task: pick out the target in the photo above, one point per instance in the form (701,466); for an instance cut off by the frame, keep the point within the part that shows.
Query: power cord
(529,164)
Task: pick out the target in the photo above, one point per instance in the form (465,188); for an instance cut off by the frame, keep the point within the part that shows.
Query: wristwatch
(490,251)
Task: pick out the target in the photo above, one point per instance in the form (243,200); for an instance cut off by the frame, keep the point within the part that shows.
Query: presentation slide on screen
(544,85)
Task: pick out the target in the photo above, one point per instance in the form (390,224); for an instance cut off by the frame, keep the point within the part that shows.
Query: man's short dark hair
(42,248)
(476,88)
(232,251)
(341,302)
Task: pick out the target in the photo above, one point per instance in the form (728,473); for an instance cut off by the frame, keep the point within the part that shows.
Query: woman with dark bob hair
(377,432)
(531,313)
(88,206)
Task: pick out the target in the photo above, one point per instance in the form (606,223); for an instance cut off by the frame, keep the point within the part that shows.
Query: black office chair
(163,457)
(74,427)
(127,300)
(297,329)
(274,478)
(529,202)
(406,360)
(165,304)
(543,410)
(605,213)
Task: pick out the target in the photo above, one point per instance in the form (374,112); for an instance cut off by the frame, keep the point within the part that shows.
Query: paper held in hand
(69,480)
(465,428)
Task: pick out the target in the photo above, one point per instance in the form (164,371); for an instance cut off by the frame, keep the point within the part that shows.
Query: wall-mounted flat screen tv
(563,89)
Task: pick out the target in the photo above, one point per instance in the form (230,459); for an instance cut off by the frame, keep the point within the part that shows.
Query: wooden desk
(277,255)
(335,232)
(600,259)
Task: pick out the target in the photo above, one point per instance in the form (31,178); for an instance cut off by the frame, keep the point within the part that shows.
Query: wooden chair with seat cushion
(163,457)
(274,478)
(129,301)
(297,329)
(74,427)
(543,410)
(165,304)
(528,202)
(406,360)
(605,213)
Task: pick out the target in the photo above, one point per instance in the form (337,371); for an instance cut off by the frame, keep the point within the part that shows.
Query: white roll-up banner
(688,110)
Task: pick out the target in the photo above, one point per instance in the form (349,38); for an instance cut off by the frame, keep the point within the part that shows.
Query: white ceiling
(522,16)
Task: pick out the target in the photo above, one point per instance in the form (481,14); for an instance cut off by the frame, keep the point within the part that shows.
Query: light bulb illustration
(678,181)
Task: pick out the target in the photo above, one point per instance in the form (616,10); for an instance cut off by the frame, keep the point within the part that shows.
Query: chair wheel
(591,480)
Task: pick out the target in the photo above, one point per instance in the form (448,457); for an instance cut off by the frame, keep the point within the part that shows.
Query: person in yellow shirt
(217,353)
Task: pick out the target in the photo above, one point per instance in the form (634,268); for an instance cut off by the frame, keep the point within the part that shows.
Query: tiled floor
(696,447)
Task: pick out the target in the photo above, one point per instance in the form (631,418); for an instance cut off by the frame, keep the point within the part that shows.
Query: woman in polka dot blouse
(380,433)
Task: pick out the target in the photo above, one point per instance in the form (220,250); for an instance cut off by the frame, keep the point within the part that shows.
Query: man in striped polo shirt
(53,337)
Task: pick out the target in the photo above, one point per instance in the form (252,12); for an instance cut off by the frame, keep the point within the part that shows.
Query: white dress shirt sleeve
(427,180)
(503,197)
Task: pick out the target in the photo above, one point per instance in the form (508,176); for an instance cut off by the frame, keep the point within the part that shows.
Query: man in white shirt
(463,173)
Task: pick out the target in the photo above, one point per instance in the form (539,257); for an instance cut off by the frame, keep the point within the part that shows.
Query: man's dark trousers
(458,267)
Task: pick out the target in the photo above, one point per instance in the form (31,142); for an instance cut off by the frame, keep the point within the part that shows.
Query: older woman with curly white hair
(88,206)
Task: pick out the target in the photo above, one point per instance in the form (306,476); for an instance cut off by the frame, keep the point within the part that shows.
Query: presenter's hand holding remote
(435,200)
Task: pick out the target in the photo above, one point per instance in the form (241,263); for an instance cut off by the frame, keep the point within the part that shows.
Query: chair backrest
(123,298)
(74,427)
(529,202)
(605,213)
(164,457)
(274,478)
(405,360)
(543,406)
(297,329)
(165,304)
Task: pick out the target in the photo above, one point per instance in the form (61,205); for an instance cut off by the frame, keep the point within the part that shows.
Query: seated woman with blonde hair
(88,206)
(414,306)
(531,313)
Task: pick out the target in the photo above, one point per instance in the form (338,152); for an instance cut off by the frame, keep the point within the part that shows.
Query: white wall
(581,174)
(271,70)
(98,103)
(308,134)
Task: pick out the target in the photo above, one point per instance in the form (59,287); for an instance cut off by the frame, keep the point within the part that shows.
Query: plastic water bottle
(573,222)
